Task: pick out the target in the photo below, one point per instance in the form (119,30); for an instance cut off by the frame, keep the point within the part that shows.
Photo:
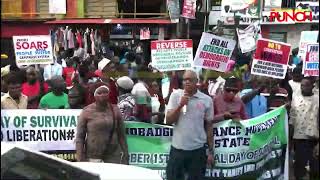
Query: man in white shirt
(295,82)
(52,70)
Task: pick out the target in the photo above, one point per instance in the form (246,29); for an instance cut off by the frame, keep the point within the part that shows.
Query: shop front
(129,34)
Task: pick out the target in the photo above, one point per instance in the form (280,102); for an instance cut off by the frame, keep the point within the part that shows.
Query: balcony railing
(39,9)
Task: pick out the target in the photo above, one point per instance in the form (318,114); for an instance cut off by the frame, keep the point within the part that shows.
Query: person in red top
(227,105)
(33,88)
(68,72)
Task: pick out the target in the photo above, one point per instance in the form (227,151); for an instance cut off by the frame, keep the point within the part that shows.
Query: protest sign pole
(206,17)
(236,25)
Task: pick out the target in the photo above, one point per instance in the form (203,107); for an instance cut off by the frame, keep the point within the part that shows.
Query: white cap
(125,82)
(5,70)
(103,63)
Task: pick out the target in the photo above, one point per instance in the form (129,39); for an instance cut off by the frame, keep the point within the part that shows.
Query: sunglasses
(231,90)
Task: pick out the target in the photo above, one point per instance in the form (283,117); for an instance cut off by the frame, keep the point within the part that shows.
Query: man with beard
(33,88)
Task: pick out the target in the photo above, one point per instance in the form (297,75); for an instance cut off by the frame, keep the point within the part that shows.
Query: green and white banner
(251,149)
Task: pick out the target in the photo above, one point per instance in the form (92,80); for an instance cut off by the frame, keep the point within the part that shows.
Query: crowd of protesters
(111,90)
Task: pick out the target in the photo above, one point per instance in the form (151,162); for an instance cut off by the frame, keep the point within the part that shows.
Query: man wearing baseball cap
(105,66)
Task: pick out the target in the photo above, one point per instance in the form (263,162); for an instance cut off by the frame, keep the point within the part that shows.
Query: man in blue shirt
(256,104)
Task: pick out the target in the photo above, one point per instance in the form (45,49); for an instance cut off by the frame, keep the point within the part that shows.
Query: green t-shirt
(51,101)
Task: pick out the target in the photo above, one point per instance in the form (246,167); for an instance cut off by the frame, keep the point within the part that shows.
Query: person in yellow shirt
(14,99)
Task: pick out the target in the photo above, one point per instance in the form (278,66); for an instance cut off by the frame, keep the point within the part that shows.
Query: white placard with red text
(33,50)
(172,55)
(311,65)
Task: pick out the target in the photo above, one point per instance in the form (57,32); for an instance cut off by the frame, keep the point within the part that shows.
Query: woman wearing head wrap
(100,131)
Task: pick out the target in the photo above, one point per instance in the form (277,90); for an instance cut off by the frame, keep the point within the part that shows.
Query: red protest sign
(271,58)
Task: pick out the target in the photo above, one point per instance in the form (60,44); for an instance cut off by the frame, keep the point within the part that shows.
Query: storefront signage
(313,6)
(271,59)
(33,50)
(271,17)
(214,52)
(172,55)
(241,8)
(189,9)
(272,3)
(311,65)
(295,15)
(266,18)
(144,33)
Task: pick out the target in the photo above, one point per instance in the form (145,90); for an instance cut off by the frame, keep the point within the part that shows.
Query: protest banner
(189,9)
(172,55)
(311,65)
(306,38)
(33,50)
(271,58)
(214,52)
(251,149)
(247,37)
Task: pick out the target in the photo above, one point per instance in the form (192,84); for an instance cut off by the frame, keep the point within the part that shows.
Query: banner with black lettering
(251,149)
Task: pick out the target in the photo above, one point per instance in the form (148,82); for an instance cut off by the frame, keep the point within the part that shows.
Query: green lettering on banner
(251,149)
(5,121)
(17,121)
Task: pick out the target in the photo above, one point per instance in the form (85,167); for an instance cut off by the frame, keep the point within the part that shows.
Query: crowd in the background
(89,82)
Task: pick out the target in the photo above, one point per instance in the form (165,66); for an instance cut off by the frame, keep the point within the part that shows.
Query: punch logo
(286,15)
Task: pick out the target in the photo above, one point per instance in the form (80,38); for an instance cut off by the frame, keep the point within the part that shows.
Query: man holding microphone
(191,113)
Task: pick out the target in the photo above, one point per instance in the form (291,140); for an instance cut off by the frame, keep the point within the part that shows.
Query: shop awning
(138,21)
(77,21)
(9,29)
(111,21)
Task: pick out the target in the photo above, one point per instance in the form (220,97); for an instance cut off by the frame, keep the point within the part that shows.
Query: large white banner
(41,130)
(33,49)
(249,149)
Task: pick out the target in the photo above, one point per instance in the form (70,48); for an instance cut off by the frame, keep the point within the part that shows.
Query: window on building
(121,31)
(278,36)
(216,2)
(142,8)
(288,4)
